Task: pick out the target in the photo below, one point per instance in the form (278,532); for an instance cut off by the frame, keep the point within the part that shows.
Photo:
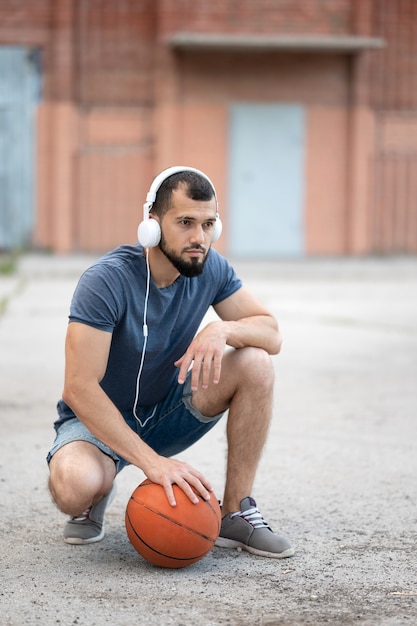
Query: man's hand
(205,353)
(167,472)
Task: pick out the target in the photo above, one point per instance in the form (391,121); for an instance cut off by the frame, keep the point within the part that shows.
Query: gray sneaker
(247,530)
(88,527)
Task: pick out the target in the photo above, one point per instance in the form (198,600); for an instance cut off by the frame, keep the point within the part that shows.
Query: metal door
(19,93)
(266,180)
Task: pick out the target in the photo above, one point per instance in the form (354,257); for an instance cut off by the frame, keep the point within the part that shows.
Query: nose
(198,234)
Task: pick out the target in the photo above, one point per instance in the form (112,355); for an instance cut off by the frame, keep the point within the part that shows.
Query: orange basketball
(171,536)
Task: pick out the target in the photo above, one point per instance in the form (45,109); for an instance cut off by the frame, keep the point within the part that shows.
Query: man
(143,383)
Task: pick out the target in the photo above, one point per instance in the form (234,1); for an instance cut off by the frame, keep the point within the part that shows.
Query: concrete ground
(338,475)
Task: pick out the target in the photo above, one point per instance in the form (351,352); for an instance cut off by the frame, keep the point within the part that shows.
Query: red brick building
(303,113)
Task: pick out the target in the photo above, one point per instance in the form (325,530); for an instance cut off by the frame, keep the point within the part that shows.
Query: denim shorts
(169,427)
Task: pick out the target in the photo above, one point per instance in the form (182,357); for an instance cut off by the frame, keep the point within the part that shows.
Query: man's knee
(255,367)
(79,473)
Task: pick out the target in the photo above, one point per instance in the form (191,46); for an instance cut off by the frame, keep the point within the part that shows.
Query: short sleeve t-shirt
(110,296)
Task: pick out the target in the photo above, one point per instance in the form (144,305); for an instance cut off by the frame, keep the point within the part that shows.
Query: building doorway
(19,94)
(266,180)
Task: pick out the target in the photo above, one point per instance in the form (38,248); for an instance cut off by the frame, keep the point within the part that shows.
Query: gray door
(19,93)
(266,180)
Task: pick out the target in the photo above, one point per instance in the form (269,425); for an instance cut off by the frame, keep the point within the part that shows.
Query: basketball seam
(167,556)
(173,521)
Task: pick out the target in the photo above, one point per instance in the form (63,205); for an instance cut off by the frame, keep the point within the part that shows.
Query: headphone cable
(145,339)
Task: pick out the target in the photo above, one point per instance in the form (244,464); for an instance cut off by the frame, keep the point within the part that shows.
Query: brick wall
(114,52)
(24,20)
(393,75)
(255,16)
(393,96)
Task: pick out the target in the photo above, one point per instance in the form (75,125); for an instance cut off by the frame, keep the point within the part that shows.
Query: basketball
(171,536)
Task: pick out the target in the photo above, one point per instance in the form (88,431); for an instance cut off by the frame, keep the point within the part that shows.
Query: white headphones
(149,230)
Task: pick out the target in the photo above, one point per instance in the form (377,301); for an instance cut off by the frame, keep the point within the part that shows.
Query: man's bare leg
(81,479)
(80,475)
(246,387)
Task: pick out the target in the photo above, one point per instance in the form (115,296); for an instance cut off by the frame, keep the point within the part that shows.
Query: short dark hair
(196,187)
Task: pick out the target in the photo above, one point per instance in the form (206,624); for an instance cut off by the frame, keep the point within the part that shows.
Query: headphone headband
(158,180)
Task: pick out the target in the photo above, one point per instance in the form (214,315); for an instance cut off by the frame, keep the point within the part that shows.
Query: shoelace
(252,516)
(82,516)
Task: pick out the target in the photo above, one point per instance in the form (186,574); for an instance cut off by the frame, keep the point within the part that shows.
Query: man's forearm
(260,331)
(102,418)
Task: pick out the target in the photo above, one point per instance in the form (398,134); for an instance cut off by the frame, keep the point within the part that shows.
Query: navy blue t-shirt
(110,296)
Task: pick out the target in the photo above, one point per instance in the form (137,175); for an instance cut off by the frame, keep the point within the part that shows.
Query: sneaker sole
(221,542)
(78,541)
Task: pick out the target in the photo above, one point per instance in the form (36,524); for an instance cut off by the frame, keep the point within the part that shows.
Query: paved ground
(338,475)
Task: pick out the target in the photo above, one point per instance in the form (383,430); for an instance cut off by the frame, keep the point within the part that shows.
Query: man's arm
(243,322)
(249,323)
(86,353)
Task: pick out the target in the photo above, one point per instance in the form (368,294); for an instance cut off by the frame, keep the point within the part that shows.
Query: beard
(189,269)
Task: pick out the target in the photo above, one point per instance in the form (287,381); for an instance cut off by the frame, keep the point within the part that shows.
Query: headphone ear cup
(149,233)
(218,226)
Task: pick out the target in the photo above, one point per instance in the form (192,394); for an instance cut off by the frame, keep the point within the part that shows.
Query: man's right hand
(167,472)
